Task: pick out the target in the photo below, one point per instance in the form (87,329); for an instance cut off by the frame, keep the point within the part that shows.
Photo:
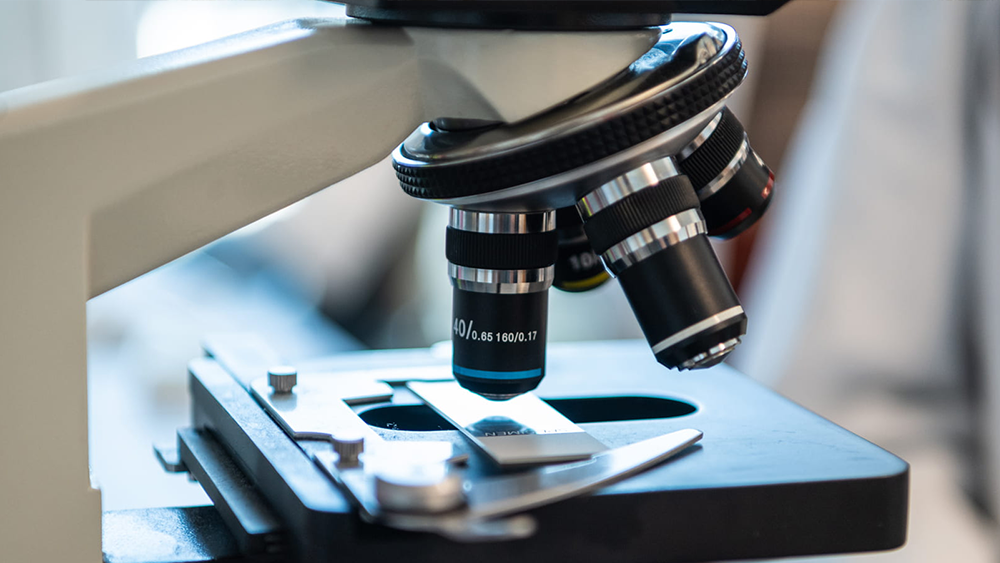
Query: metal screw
(349,447)
(282,378)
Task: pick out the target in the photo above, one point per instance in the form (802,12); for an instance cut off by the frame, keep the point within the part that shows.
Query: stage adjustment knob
(349,447)
(282,378)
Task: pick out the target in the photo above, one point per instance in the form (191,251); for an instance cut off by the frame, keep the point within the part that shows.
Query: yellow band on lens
(584,285)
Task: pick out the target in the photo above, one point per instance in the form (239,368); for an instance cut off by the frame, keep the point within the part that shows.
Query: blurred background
(871,285)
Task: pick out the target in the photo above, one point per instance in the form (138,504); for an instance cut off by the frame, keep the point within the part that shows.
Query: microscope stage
(768,479)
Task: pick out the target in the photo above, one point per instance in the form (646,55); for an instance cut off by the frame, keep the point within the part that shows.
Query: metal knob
(282,378)
(419,488)
(349,448)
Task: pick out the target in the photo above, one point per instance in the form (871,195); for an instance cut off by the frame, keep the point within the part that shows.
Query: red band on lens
(767,189)
(728,226)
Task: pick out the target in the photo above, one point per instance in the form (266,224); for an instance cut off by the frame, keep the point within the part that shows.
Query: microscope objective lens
(733,183)
(648,229)
(577,267)
(501,266)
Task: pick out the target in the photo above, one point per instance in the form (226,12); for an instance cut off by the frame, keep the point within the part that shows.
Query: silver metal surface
(282,378)
(696,328)
(438,372)
(349,447)
(515,493)
(728,172)
(317,411)
(423,488)
(521,431)
(501,223)
(492,503)
(703,136)
(481,280)
(712,356)
(647,175)
(640,246)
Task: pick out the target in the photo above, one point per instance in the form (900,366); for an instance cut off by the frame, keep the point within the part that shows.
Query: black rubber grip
(634,213)
(712,157)
(561,154)
(501,251)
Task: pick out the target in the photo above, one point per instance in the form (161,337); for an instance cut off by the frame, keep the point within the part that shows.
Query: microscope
(573,141)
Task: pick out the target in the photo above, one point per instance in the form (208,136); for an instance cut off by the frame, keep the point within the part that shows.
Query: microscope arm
(105,178)
(174,151)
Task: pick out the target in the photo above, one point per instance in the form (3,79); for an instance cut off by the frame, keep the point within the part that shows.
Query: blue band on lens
(459,370)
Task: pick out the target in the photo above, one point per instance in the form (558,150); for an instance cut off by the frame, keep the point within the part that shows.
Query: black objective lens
(501,267)
(577,267)
(732,182)
(648,229)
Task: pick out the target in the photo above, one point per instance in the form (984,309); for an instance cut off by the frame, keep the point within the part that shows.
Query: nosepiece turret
(653,163)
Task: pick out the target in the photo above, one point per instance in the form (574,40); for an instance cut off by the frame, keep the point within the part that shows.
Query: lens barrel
(733,183)
(578,269)
(501,266)
(648,229)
